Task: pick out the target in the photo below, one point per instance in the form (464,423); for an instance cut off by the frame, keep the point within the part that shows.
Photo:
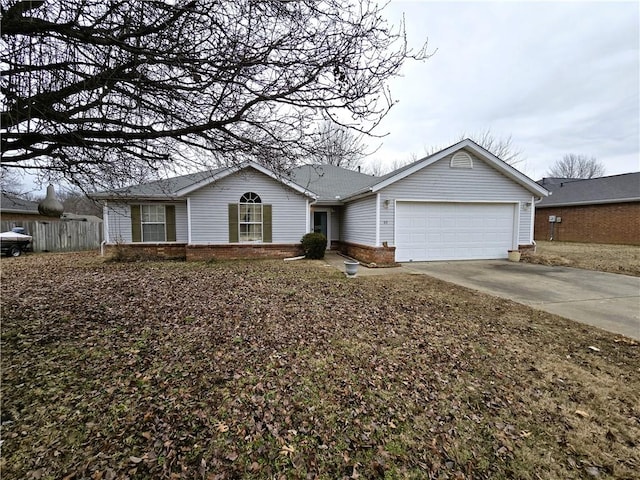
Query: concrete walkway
(605,300)
(336,260)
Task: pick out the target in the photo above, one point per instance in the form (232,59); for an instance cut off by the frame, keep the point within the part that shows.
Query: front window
(250,221)
(153,223)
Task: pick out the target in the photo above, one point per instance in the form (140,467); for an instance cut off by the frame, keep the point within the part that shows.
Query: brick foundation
(238,251)
(527,248)
(615,223)
(381,256)
(147,251)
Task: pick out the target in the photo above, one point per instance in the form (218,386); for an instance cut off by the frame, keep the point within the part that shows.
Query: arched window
(250,197)
(250,218)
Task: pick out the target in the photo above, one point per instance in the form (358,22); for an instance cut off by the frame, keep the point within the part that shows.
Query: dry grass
(289,370)
(623,259)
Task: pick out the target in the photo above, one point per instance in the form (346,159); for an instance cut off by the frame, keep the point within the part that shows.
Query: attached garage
(427,231)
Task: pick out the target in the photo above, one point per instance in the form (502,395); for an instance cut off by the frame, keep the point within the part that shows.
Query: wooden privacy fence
(60,235)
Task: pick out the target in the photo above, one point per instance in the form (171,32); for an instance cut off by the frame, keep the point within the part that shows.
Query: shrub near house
(314,245)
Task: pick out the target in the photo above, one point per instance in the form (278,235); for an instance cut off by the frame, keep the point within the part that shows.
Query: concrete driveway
(605,300)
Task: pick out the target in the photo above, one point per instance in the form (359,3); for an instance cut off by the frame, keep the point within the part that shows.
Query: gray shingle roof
(11,203)
(160,188)
(612,189)
(329,182)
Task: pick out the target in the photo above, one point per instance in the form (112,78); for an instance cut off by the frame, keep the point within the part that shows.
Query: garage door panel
(453,231)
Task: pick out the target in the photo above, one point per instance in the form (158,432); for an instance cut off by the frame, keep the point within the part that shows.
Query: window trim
(253,200)
(143,223)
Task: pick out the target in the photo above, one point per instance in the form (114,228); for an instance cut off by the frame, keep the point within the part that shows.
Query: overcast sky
(559,77)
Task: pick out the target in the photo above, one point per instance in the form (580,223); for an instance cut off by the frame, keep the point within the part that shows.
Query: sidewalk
(337,261)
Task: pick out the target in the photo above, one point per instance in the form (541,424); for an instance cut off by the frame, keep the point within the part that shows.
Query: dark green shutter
(136,225)
(266,223)
(170,219)
(233,223)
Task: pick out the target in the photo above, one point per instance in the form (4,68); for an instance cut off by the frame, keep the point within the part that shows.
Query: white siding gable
(210,214)
(440,182)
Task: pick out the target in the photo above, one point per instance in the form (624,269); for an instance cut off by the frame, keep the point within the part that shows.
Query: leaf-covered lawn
(624,259)
(267,369)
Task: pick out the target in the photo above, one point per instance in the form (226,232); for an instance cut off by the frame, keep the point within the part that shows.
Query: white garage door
(453,231)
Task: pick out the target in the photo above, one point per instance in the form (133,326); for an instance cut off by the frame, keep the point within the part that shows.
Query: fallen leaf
(287,450)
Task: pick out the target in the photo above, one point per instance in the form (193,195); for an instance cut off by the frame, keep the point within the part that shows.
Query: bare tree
(11,182)
(98,91)
(378,168)
(573,165)
(75,201)
(501,147)
(337,145)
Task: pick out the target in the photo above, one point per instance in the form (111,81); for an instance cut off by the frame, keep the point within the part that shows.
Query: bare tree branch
(339,146)
(87,83)
(573,165)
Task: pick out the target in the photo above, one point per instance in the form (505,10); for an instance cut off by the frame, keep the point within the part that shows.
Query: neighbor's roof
(612,189)
(12,204)
(331,183)
(81,218)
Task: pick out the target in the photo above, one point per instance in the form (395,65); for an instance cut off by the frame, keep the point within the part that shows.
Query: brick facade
(379,255)
(19,218)
(159,251)
(615,223)
(182,251)
(237,251)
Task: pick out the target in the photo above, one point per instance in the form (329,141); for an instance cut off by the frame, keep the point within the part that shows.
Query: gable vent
(461,160)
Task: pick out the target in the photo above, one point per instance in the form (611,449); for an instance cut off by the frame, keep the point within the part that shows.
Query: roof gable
(178,187)
(471,146)
(230,170)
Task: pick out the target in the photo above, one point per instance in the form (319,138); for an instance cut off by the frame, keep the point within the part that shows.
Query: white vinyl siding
(335,224)
(440,182)
(119,222)
(358,222)
(210,214)
(182,227)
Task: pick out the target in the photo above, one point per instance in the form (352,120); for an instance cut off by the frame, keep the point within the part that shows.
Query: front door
(320,223)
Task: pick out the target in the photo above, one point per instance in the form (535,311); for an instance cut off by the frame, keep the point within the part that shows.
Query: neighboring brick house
(19,210)
(596,210)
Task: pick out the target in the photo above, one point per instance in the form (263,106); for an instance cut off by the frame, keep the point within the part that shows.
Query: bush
(314,245)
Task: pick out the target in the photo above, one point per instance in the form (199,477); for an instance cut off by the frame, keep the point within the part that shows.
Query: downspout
(189,220)
(105,228)
(377,219)
(533,219)
(308,216)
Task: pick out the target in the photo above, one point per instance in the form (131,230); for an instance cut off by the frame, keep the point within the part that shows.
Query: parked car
(14,243)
